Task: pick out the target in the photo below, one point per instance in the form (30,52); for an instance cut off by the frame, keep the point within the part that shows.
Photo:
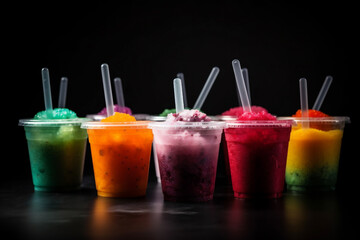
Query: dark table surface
(26,214)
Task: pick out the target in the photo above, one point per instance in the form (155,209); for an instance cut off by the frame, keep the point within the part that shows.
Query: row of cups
(259,155)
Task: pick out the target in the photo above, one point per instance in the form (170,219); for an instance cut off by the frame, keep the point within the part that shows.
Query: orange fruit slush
(120,149)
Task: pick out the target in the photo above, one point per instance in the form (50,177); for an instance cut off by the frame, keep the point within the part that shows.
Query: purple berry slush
(187,150)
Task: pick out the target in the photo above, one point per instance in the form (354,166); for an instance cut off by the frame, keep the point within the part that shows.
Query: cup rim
(95,116)
(332,119)
(188,125)
(260,123)
(224,117)
(157,118)
(30,122)
(98,117)
(104,125)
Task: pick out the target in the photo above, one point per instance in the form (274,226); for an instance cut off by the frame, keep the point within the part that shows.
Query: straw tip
(104,65)
(235,61)
(216,68)
(44,69)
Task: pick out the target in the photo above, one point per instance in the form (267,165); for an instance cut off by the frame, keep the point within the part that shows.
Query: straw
(323,91)
(62,92)
(247,83)
(107,89)
(206,89)
(179,102)
(304,102)
(47,91)
(181,76)
(119,92)
(241,86)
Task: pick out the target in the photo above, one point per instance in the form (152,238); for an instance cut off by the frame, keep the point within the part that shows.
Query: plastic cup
(156,162)
(121,157)
(187,154)
(57,152)
(314,152)
(223,144)
(257,152)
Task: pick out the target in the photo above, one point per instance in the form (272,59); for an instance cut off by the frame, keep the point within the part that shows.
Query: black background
(146,44)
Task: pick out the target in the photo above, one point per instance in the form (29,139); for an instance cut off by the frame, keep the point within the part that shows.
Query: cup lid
(103,125)
(188,125)
(30,122)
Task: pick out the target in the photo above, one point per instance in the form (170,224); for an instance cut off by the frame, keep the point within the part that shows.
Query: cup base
(311,189)
(257,195)
(188,199)
(120,195)
(56,189)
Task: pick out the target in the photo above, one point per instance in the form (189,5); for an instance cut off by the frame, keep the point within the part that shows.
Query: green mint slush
(57,147)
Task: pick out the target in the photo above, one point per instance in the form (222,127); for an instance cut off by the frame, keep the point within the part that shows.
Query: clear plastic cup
(257,151)
(225,118)
(57,152)
(121,157)
(156,162)
(314,153)
(187,154)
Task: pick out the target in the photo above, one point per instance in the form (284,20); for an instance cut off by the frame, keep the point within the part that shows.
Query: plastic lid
(260,123)
(51,122)
(335,119)
(188,125)
(102,125)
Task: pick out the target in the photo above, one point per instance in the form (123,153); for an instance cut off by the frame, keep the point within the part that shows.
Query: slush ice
(314,152)
(120,149)
(257,147)
(56,145)
(187,146)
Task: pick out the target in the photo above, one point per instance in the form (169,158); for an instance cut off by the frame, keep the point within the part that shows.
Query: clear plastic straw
(119,92)
(62,92)
(181,76)
(179,102)
(47,91)
(241,86)
(206,89)
(323,91)
(247,83)
(304,102)
(107,89)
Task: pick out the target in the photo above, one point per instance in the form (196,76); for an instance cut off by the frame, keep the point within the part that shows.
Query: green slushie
(56,145)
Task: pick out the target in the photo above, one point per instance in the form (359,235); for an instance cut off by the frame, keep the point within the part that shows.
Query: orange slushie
(120,149)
